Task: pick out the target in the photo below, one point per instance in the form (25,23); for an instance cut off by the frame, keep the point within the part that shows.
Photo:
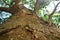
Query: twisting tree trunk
(27,27)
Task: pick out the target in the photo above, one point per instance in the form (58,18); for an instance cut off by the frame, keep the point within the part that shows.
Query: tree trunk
(22,26)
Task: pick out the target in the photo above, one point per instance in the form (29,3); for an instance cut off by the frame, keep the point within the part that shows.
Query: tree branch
(50,16)
(14,9)
(54,10)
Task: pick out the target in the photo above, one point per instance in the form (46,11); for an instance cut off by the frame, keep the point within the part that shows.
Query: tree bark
(22,26)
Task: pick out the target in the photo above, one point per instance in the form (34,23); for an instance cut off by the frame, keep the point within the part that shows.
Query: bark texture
(22,26)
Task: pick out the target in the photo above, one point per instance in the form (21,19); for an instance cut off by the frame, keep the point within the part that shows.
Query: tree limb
(54,10)
(50,16)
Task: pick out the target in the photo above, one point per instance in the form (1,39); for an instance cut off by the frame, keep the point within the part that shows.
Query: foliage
(6,3)
(44,13)
(56,19)
(3,14)
(29,4)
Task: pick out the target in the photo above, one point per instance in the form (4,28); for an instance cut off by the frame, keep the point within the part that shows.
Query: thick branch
(4,9)
(14,9)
